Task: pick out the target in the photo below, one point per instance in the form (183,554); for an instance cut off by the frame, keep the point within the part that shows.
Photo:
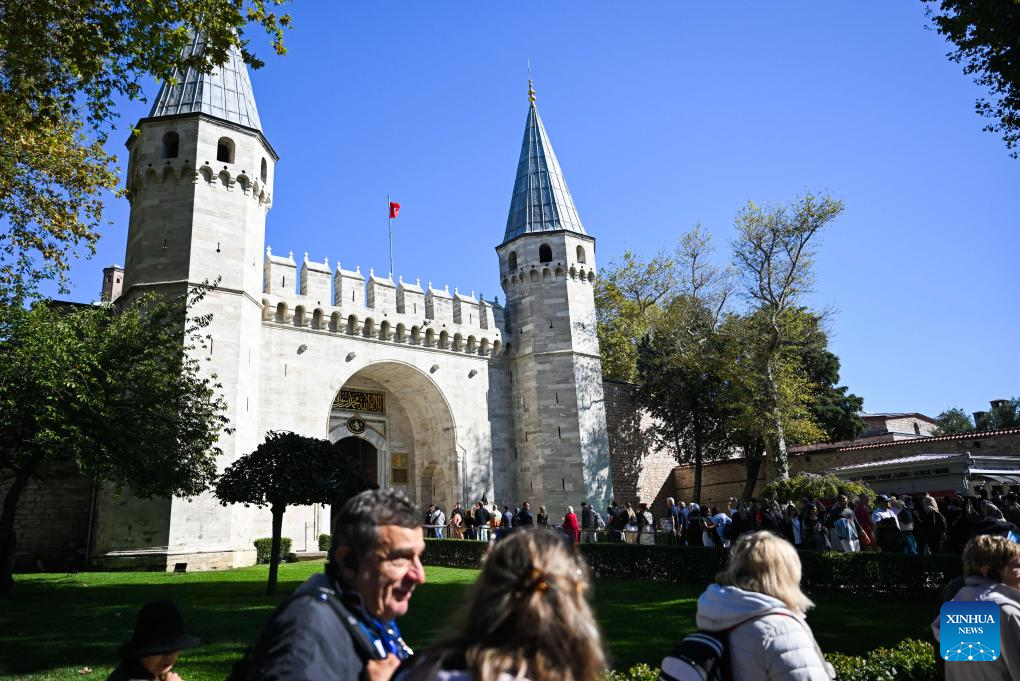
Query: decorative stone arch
(171,145)
(545,253)
(432,438)
(415,335)
(384,330)
(267,310)
(281,312)
(206,173)
(401,335)
(225,150)
(559,272)
(430,338)
(444,339)
(581,258)
(483,348)
(317,318)
(299,316)
(591,276)
(472,345)
(352,325)
(505,283)
(369,328)
(496,346)
(511,261)
(546,274)
(224,178)
(334,322)
(458,342)
(573,272)
(534,275)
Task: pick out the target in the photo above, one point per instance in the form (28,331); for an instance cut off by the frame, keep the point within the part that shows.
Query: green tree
(953,420)
(115,395)
(1004,414)
(986,34)
(680,377)
(628,297)
(774,260)
(286,470)
(835,409)
(61,66)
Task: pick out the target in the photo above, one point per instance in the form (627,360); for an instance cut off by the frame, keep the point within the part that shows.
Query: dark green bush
(324,542)
(910,660)
(859,574)
(264,548)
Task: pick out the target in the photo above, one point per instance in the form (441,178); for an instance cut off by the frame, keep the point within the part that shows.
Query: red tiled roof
(973,435)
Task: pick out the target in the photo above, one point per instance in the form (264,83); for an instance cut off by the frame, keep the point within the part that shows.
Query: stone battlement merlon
(378,307)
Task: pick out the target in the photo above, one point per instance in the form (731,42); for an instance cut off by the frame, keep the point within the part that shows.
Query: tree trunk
(7,538)
(698,459)
(781,458)
(752,466)
(274,558)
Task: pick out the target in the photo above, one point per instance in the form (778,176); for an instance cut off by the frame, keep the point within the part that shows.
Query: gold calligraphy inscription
(356,400)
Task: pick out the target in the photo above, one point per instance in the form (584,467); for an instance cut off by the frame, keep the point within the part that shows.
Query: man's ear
(346,562)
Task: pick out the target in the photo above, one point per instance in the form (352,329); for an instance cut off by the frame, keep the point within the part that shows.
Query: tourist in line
(814,534)
(721,522)
(630,529)
(482,518)
(646,525)
(340,625)
(991,567)
(759,603)
(456,523)
(508,520)
(571,530)
(537,624)
(887,525)
(862,513)
(905,517)
(542,518)
(674,521)
(848,539)
(524,516)
(792,528)
(157,642)
(694,536)
(587,523)
(495,523)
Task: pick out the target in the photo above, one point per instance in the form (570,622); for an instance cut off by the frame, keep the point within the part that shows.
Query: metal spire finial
(531,91)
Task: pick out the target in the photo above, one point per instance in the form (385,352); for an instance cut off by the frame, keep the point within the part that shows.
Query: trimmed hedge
(324,542)
(911,660)
(264,548)
(860,574)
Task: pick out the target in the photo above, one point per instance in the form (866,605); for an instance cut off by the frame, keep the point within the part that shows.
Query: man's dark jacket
(306,640)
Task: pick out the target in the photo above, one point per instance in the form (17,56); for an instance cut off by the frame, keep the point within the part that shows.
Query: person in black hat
(158,640)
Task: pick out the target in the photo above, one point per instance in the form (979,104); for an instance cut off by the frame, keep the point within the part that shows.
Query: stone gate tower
(547,269)
(200,180)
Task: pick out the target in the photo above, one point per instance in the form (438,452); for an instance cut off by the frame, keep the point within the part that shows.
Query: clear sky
(663,115)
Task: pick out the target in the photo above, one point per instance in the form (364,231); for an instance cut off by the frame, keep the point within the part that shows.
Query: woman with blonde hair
(758,601)
(537,624)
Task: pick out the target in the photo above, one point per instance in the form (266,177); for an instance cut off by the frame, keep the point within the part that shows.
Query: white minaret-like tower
(200,182)
(547,269)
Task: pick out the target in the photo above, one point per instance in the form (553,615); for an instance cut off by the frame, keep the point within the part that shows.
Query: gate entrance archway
(398,411)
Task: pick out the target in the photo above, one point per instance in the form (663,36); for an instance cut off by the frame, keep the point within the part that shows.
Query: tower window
(544,253)
(264,172)
(225,150)
(511,261)
(580,254)
(171,145)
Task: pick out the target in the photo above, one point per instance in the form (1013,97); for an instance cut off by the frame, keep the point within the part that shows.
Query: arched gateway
(396,413)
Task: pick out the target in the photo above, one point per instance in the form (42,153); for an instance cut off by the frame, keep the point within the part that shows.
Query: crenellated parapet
(378,309)
(174,171)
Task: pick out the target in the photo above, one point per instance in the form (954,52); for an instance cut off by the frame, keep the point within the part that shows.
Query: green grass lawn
(55,625)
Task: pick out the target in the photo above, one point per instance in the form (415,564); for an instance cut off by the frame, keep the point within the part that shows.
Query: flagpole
(389,212)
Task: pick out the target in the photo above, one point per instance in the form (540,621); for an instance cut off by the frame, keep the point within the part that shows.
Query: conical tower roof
(541,200)
(224,93)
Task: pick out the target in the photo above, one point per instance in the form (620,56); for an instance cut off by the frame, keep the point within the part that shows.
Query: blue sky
(663,115)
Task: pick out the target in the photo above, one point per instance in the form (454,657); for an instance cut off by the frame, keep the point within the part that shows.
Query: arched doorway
(364,452)
(400,412)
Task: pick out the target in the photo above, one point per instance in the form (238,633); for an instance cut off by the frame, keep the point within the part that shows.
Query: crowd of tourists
(903,524)
(528,616)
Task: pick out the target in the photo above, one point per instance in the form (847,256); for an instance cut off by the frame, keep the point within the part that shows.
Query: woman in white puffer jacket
(759,601)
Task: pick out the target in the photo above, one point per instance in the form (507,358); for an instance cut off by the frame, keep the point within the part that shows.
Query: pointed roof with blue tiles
(541,200)
(225,92)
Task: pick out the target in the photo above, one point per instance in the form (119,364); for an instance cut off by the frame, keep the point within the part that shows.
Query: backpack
(599,522)
(703,655)
(363,643)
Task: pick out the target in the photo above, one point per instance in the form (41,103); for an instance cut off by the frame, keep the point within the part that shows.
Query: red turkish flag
(394,209)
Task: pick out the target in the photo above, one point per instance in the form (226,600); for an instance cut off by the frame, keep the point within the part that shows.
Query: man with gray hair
(342,623)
